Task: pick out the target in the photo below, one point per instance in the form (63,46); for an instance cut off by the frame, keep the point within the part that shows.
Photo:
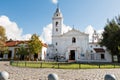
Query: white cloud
(46,35)
(66,28)
(12,29)
(90,30)
(26,37)
(55,1)
(100,33)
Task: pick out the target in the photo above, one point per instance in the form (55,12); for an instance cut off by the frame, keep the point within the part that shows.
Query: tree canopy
(35,45)
(3,39)
(111,37)
(22,51)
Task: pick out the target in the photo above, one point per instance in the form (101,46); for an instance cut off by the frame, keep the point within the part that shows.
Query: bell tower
(57,22)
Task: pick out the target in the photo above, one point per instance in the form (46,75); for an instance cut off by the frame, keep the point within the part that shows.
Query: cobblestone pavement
(17,73)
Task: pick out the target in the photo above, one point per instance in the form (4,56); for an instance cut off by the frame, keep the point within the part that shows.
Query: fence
(64,65)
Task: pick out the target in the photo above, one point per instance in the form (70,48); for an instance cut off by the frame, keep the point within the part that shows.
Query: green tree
(3,38)
(35,45)
(22,52)
(110,39)
(117,41)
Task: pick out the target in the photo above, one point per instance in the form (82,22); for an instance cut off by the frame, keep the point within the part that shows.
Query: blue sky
(32,15)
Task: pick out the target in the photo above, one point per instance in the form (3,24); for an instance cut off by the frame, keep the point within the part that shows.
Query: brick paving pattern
(17,73)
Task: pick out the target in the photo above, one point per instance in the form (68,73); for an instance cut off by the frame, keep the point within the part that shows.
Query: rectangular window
(102,56)
(56,43)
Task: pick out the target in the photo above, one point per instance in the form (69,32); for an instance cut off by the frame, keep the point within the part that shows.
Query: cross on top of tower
(57,5)
(57,10)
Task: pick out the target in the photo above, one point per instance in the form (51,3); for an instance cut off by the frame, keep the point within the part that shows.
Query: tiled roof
(15,43)
(99,50)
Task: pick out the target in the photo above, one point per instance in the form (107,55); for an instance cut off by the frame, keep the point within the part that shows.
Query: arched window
(73,40)
(56,23)
(56,14)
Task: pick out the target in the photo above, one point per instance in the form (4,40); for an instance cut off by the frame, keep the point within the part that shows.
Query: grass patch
(63,65)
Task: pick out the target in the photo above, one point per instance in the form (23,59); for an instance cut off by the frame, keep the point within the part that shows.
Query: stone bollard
(110,77)
(53,76)
(4,75)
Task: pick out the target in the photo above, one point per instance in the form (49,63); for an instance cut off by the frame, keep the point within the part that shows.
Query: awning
(97,50)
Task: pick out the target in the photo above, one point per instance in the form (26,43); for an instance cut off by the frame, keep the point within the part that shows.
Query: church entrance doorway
(72,55)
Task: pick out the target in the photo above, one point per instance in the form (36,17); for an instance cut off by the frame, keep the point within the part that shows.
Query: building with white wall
(13,47)
(99,53)
(73,45)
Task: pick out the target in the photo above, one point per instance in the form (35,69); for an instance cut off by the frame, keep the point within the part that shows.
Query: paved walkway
(17,73)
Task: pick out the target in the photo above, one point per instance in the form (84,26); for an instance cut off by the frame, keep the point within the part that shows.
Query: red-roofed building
(99,53)
(13,46)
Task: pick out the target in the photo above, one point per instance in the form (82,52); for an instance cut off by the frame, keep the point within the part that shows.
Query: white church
(73,45)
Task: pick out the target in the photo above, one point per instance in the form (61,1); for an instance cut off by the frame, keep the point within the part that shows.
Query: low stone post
(53,76)
(110,77)
(4,75)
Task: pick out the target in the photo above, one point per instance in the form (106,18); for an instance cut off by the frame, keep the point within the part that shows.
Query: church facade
(70,46)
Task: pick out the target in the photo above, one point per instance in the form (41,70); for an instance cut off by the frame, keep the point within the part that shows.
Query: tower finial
(57,10)
(73,26)
(57,5)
